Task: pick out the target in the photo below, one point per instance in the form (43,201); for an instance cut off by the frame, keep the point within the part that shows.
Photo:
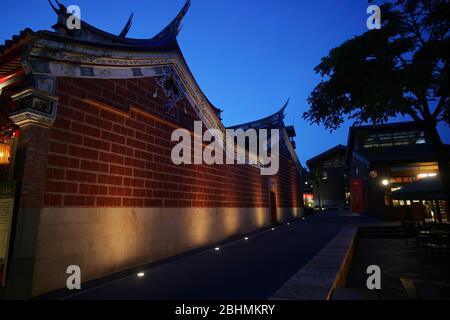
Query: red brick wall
(289,193)
(32,160)
(114,155)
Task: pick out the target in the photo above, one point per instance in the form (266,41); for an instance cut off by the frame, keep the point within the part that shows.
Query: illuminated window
(395,138)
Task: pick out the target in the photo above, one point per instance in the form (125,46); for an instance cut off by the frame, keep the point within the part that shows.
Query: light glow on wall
(426,175)
(308,199)
(5,154)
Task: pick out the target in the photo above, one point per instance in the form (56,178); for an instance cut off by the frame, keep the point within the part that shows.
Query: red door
(357,195)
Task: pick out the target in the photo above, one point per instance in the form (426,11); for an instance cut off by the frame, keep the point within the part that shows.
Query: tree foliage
(401,68)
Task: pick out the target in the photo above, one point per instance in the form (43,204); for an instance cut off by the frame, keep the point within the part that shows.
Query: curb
(327,271)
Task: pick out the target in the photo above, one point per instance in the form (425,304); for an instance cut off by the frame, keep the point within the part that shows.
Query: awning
(424,189)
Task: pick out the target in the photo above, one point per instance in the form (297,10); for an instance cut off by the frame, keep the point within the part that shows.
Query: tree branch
(416,29)
(440,107)
(418,105)
(426,107)
(414,116)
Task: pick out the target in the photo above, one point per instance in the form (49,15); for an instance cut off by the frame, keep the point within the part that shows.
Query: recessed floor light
(217,248)
(273,229)
(246,238)
(140,274)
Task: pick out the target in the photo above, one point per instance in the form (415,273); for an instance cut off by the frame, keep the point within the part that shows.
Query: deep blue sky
(248,56)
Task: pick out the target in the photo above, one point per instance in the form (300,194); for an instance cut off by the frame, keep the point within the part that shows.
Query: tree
(400,69)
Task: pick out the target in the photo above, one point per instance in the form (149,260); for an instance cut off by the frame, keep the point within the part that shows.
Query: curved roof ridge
(268,121)
(167,35)
(174,27)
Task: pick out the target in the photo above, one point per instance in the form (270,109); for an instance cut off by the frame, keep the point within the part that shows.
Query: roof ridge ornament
(127,26)
(269,121)
(62,9)
(92,34)
(281,112)
(174,27)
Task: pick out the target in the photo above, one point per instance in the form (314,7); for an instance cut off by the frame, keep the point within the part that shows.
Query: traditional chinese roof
(276,121)
(273,121)
(89,52)
(92,34)
(10,61)
(15,39)
(339,149)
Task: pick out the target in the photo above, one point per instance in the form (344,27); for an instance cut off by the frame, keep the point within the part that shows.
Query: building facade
(329,178)
(383,159)
(91,118)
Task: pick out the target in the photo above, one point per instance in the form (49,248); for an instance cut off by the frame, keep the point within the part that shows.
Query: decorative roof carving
(172,87)
(127,26)
(174,27)
(93,34)
(273,121)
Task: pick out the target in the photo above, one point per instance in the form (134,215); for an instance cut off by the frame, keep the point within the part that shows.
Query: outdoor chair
(439,244)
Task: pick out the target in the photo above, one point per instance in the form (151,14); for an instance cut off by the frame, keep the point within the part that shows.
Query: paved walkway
(397,259)
(244,269)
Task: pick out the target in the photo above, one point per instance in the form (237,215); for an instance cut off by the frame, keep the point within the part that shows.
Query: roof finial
(127,26)
(53,7)
(174,27)
(284,107)
(62,8)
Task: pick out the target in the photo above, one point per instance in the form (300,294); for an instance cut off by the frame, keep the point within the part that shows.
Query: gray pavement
(398,259)
(243,269)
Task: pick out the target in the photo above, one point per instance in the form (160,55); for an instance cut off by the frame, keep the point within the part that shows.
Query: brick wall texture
(110,147)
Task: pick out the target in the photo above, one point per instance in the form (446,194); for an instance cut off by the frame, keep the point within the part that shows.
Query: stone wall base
(102,241)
